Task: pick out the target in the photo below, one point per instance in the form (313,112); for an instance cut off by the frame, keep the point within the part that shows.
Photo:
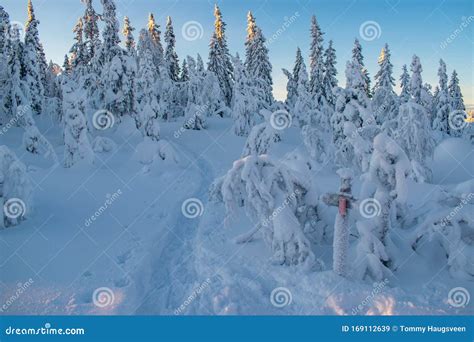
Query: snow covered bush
(77,145)
(450,222)
(274,196)
(103,145)
(150,152)
(15,189)
(388,170)
(414,135)
(261,138)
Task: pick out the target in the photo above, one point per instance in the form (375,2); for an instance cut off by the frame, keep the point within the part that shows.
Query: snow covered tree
(359,57)
(457,102)
(17,91)
(91,30)
(316,58)
(442,102)
(129,39)
(389,167)
(330,72)
(405,85)
(257,62)
(17,189)
(32,73)
(384,101)
(33,141)
(155,39)
(110,45)
(184,77)
(219,57)
(196,108)
(5,28)
(171,57)
(414,135)
(274,196)
(292,85)
(78,51)
(148,106)
(40,55)
(416,82)
(261,138)
(77,145)
(361,148)
(244,105)
(352,105)
(303,108)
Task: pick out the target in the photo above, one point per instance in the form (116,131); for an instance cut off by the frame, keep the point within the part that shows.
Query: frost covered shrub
(15,188)
(387,174)
(450,222)
(274,196)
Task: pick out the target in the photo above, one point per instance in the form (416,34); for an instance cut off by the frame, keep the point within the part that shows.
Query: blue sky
(408,26)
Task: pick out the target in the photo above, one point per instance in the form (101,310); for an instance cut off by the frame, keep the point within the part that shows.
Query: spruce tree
(4,31)
(293,78)
(155,38)
(16,91)
(385,101)
(40,55)
(358,56)
(32,74)
(405,85)
(219,57)
(330,72)
(77,51)
(129,38)
(416,81)
(457,102)
(184,71)
(258,66)
(171,57)
(91,30)
(442,101)
(316,65)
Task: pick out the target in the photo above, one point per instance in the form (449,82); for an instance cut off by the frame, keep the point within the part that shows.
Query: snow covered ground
(142,254)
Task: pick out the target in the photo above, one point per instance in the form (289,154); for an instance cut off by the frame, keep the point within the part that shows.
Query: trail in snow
(173,275)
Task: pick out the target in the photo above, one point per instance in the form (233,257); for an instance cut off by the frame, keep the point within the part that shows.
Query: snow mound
(453,161)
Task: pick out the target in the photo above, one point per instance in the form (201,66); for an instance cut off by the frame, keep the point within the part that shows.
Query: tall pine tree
(330,72)
(33,74)
(442,102)
(171,57)
(385,101)
(359,57)
(316,61)
(405,85)
(257,61)
(219,57)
